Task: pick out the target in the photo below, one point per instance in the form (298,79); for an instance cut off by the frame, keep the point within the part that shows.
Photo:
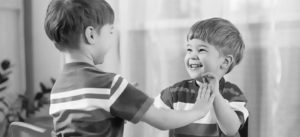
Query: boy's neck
(77,56)
(198,82)
(201,80)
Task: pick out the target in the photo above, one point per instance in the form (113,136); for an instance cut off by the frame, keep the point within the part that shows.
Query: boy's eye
(189,50)
(202,50)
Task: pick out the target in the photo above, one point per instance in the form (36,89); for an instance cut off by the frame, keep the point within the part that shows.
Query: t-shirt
(183,95)
(86,101)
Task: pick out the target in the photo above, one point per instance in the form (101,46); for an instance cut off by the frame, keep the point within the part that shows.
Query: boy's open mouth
(194,64)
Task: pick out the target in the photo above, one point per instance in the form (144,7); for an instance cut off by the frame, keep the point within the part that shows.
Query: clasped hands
(208,89)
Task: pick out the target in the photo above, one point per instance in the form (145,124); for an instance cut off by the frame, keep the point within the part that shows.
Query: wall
(11,49)
(43,61)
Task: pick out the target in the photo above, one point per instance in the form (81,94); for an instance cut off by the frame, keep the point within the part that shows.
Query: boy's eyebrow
(201,45)
(198,45)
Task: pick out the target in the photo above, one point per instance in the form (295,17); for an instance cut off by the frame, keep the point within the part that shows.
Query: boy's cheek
(208,67)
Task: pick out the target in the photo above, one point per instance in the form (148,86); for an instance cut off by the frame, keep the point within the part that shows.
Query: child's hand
(212,80)
(204,99)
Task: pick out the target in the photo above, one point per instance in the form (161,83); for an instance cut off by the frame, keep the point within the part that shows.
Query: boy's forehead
(197,43)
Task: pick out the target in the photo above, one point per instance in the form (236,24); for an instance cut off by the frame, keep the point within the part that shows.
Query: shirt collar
(221,83)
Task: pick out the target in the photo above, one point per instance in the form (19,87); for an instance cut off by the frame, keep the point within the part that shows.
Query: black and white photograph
(149,68)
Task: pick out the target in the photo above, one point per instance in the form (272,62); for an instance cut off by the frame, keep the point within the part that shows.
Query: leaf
(5,64)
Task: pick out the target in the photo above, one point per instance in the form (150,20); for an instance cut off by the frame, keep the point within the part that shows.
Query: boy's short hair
(66,20)
(222,34)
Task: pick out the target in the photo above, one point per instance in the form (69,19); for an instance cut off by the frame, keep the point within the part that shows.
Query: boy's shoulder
(184,85)
(82,68)
(89,72)
(231,91)
(80,75)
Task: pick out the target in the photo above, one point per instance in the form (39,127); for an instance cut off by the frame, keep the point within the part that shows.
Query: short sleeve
(130,103)
(241,110)
(164,100)
(237,101)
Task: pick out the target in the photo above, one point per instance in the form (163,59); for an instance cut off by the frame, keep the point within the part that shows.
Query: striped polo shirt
(182,96)
(88,102)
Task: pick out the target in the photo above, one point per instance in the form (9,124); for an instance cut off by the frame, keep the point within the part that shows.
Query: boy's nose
(194,57)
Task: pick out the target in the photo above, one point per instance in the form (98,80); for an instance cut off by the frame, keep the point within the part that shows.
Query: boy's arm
(164,100)
(133,105)
(227,118)
(169,119)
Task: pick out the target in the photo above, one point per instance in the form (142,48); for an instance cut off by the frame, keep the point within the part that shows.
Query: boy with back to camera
(86,101)
(214,47)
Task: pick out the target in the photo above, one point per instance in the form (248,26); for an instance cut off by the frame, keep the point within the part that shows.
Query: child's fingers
(203,80)
(204,90)
(212,97)
(201,90)
(212,86)
(210,77)
(208,92)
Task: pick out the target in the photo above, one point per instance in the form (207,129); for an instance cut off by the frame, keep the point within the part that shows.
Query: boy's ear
(228,59)
(90,34)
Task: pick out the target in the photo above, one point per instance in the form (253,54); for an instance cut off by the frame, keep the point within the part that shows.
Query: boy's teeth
(194,65)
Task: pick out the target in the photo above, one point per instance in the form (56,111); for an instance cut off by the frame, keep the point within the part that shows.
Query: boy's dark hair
(222,34)
(66,20)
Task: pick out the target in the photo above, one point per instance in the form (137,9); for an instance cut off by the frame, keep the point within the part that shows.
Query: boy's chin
(197,77)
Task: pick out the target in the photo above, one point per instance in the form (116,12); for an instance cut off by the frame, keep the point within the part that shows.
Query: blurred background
(150,53)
